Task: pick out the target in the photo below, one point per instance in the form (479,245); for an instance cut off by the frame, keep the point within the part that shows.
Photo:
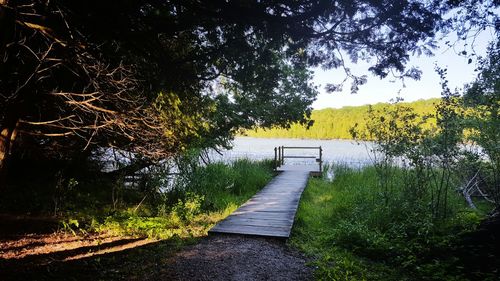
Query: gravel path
(227,257)
(49,255)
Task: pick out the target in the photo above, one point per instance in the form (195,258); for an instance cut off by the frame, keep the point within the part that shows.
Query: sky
(377,90)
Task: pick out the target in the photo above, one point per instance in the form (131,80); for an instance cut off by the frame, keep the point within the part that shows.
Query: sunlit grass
(351,234)
(164,227)
(210,195)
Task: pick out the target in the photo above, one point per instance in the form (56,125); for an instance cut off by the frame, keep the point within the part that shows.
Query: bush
(354,235)
(198,199)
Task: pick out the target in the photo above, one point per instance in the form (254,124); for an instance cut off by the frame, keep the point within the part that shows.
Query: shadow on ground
(32,249)
(58,256)
(49,255)
(137,263)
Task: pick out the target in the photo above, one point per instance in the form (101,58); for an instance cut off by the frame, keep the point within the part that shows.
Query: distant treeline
(332,123)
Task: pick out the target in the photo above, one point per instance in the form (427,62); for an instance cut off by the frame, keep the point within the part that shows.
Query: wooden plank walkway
(271,211)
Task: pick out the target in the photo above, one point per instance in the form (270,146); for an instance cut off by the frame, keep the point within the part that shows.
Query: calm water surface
(334,151)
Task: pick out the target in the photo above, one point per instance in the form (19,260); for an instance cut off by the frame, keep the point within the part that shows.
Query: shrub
(352,234)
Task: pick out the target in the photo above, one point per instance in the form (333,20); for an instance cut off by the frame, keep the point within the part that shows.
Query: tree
(154,77)
(482,101)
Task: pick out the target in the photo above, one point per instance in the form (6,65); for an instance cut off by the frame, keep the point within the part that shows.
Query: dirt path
(238,258)
(59,256)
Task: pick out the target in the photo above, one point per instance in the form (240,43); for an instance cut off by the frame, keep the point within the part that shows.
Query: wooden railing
(279,155)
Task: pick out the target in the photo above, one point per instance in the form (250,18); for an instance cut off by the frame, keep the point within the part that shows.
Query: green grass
(352,235)
(201,198)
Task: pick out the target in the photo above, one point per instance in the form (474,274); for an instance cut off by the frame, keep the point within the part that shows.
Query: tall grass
(224,184)
(353,235)
(201,198)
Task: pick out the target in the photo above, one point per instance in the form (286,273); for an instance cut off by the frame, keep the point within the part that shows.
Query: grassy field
(352,235)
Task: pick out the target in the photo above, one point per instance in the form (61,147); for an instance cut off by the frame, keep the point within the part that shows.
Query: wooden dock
(271,211)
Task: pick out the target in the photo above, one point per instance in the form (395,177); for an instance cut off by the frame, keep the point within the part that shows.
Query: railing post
(279,156)
(320,159)
(282,155)
(275,159)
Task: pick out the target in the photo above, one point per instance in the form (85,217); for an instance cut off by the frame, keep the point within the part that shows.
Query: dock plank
(271,211)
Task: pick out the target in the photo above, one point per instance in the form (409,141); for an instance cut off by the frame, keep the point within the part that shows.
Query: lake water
(334,151)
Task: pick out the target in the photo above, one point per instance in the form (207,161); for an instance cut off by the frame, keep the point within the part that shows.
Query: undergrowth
(352,235)
(188,209)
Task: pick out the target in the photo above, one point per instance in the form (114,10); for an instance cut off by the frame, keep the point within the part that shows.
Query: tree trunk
(134,167)
(8,118)
(8,133)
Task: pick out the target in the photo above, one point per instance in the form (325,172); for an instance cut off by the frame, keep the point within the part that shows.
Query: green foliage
(126,223)
(199,198)
(427,153)
(335,266)
(354,236)
(187,210)
(336,123)
(71,225)
(221,184)
(482,102)
(402,218)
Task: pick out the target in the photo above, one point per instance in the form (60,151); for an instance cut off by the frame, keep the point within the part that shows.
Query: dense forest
(331,123)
